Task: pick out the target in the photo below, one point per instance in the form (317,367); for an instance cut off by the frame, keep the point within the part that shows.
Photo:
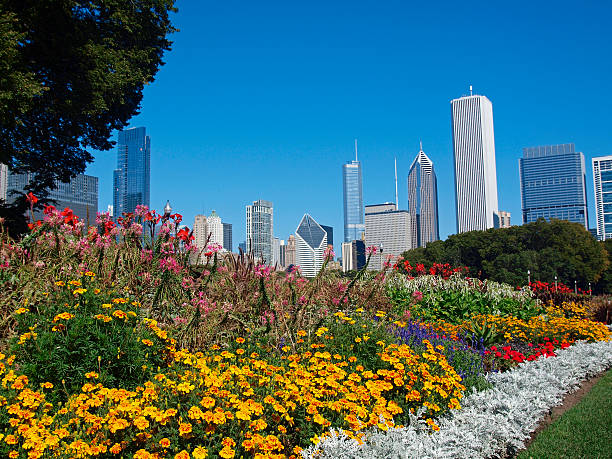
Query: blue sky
(262,100)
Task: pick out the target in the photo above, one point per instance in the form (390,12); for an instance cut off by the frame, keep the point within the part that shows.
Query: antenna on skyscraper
(356,150)
(396,200)
(420,145)
(470,90)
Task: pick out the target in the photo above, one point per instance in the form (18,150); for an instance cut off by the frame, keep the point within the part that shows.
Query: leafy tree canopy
(545,248)
(71,72)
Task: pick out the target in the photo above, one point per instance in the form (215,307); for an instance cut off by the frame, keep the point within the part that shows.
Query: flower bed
(493,422)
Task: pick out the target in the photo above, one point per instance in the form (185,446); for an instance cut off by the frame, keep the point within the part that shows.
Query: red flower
(184,235)
(31,198)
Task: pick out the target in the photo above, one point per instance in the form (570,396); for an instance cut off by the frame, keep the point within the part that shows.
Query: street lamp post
(590,292)
(555,283)
(575,287)
(528,277)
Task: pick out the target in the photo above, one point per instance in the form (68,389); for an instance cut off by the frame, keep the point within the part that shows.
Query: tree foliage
(71,72)
(545,248)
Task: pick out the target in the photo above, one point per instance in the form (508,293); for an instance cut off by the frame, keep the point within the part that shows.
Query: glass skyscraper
(310,245)
(423,201)
(79,194)
(132,178)
(260,230)
(354,225)
(553,184)
(602,180)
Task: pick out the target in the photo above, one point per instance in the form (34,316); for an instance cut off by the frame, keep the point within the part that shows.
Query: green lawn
(584,431)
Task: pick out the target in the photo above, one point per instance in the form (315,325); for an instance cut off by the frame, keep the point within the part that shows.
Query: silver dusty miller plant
(492,423)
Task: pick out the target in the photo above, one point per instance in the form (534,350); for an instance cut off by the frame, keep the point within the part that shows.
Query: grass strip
(584,431)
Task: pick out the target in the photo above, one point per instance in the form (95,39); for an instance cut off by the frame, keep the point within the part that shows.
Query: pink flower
(329,253)
(418,296)
(371,250)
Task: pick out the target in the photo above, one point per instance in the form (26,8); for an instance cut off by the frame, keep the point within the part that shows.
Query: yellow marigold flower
(120,301)
(240,340)
(147,342)
(227,452)
(76,283)
(119,314)
(301,333)
(13,454)
(141,423)
(107,305)
(164,442)
(60,283)
(182,455)
(321,331)
(207,402)
(21,311)
(185,428)
(10,439)
(92,374)
(63,316)
(200,453)
(358,340)
(90,274)
(79,291)
(96,291)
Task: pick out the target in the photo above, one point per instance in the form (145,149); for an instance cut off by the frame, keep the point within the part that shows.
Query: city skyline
(270,100)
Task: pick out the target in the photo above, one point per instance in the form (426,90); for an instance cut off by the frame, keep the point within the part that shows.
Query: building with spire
(423,200)
(474,155)
(132,177)
(352,184)
(310,243)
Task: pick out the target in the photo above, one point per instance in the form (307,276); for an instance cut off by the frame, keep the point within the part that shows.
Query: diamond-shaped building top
(311,242)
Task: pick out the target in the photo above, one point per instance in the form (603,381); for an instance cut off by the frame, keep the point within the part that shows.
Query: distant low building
(388,230)
(502,219)
(227,237)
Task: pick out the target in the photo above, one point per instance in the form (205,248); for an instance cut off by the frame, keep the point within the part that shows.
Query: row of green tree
(544,248)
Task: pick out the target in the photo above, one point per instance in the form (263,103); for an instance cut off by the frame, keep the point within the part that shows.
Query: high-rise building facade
(276,252)
(352,183)
(353,255)
(387,229)
(3,181)
(290,251)
(330,234)
(474,154)
(602,181)
(553,184)
(423,201)
(310,245)
(200,236)
(260,230)
(227,237)
(215,228)
(79,194)
(132,178)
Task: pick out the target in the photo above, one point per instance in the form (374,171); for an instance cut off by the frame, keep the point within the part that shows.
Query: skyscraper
(290,251)
(602,181)
(553,184)
(132,178)
(387,229)
(3,181)
(423,200)
(330,234)
(311,242)
(215,228)
(260,230)
(354,225)
(227,237)
(200,235)
(474,153)
(79,194)
(353,255)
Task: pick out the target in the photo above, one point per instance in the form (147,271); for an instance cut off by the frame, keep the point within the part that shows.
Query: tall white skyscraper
(310,245)
(474,152)
(423,200)
(260,230)
(3,181)
(602,181)
(215,228)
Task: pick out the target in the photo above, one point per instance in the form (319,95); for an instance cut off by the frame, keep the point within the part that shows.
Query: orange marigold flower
(200,453)
(164,442)
(185,428)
